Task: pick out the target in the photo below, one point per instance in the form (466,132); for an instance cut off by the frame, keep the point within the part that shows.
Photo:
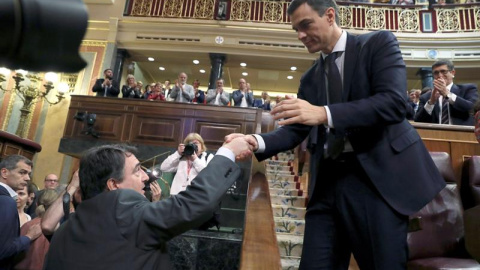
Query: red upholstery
(470,188)
(439,242)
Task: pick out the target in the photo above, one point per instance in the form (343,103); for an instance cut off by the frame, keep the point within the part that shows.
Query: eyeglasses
(443,71)
(51,180)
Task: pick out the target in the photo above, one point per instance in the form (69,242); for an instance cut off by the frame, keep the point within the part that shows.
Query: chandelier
(30,93)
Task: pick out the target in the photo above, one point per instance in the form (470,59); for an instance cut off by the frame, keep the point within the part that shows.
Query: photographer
(106,87)
(187,162)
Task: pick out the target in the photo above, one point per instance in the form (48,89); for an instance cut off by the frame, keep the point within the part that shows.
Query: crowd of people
(181,91)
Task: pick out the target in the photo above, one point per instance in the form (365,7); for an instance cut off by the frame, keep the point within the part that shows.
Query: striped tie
(445,111)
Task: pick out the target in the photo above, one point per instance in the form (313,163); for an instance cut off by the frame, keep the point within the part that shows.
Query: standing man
(263,102)
(125,230)
(106,87)
(448,103)
(14,175)
(353,103)
(50,182)
(182,92)
(243,97)
(218,96)
(199,95)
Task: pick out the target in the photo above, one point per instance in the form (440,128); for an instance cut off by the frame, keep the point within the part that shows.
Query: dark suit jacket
(112,91)
(121,229)
(237,96)
(200,97)
(372,117)
(127,92)
(258,104)
(460,111)
(11,243)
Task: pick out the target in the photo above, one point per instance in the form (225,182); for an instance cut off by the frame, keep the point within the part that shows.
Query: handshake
(241,145)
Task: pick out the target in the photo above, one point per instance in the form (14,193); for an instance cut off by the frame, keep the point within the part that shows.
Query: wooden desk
(11,144)
(153,126)
(458,141)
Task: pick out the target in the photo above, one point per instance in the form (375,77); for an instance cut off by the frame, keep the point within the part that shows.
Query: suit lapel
(349,65)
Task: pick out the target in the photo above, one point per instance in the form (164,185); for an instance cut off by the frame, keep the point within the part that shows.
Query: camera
(190,148)
(89,120)
(42,35)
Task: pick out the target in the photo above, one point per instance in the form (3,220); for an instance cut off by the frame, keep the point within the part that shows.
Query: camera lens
(190,148)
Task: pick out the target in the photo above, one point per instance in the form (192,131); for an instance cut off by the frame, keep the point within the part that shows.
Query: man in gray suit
(218,96)
(116,227)
(182,92)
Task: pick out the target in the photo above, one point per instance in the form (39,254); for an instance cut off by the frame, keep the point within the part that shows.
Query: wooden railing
(352,15)
(259,247)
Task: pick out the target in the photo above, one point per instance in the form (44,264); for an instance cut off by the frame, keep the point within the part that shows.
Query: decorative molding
(94,43)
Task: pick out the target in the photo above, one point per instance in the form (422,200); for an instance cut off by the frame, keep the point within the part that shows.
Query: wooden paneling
(259,247)
(11,144)
(150,123)
(458,141)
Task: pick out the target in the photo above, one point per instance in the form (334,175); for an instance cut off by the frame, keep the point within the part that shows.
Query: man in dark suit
(263,102)
(116,227)
(448,103)
(360,196)
(243,97)
(106,87)
(14,175)
(199,95)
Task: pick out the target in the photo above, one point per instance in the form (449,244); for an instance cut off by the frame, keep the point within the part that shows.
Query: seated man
(116,227)
(448,103)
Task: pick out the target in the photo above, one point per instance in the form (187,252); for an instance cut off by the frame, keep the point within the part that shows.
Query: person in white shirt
(218,96)
(182,92)
(184,165)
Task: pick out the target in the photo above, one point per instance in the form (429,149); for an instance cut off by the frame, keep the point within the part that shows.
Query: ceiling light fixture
(196,62)
(243,64)
(293,68)
(289,77)
(151,59)
(244,73)
(161,68)
(202,70)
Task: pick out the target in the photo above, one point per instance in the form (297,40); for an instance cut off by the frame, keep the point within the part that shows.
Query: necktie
(445,111)
(335,144)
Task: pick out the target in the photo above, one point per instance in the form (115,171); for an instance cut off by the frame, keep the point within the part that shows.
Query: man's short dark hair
(101,163)
(442,62)
(10,162)
(107,70)
(320,6)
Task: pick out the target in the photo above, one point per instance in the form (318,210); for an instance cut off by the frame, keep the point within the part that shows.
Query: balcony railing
(362,16)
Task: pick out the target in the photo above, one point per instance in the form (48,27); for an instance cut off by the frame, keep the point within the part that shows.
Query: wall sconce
(30,94)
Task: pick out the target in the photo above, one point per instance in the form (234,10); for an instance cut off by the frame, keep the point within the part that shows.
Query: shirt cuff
(223,151)
(329,117)
(261,143)
(429,107)
(451,96)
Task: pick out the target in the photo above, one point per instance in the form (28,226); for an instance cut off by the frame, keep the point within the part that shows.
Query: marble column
(217,60)
(122,54)
(426,74)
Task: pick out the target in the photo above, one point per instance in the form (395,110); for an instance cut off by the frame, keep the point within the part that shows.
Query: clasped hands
(439,89)
(289,111)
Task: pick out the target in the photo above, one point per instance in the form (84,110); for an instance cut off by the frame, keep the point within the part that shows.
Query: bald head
(51,181)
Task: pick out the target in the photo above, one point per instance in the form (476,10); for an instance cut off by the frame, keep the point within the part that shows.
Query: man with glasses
(447,103)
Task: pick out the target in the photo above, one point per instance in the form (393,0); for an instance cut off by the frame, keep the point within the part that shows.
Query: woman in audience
(187,164)
(22,198)
(33,258)
(130,89)
(157,93)
(147,90)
